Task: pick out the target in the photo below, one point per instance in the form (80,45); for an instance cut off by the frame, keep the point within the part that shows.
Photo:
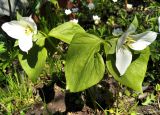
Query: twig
(126,2)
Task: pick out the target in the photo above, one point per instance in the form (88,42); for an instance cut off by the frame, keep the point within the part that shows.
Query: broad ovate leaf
(66,31)
(84,65)
(110,46)
(34,61)
(135,73)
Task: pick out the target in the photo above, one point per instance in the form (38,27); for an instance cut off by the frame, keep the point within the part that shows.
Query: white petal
(159,22)
(114,0)
(68,11)
(95,17)
(123,59)
(14,29)
(122,39)
(91,6)
(139,45)
(142,40)
(129,6)
(149,36)
(25,43)
(74,21)
(29,21)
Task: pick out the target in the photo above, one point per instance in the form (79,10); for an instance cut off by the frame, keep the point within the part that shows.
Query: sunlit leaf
(110,46)
(66,31)
(34,61)
(2,47)
(84,65)
(135,73)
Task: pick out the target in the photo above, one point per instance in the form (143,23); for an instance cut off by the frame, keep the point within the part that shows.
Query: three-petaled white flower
(135,42)
(114,0)
(23,30)
(96,19)
(74,21)
(129,6)
(91,6)
(68,11)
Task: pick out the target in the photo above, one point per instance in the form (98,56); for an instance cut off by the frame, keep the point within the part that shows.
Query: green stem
(53,45)
(10,9)
(50,41)
(126,2)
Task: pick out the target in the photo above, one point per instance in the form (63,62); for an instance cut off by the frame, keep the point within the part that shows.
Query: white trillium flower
(74,10)
(68,11)
(96,19)
(91,6)
(22,30)
(135,42)
(114,0)
(74,21)
(129,6)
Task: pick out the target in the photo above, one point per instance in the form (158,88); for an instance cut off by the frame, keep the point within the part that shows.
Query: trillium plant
(96,19)
(126,57)
(135,42)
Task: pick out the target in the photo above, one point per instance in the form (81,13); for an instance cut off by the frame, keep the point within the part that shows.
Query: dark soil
(61,102)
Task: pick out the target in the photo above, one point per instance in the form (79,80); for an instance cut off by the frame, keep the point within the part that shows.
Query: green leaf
(84,65)
(135,73)
(55,2)
(39,39)
(34,61)
(133,26)
(18,15)
(110,46)
(66,31)
(149,100)
(2,48)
